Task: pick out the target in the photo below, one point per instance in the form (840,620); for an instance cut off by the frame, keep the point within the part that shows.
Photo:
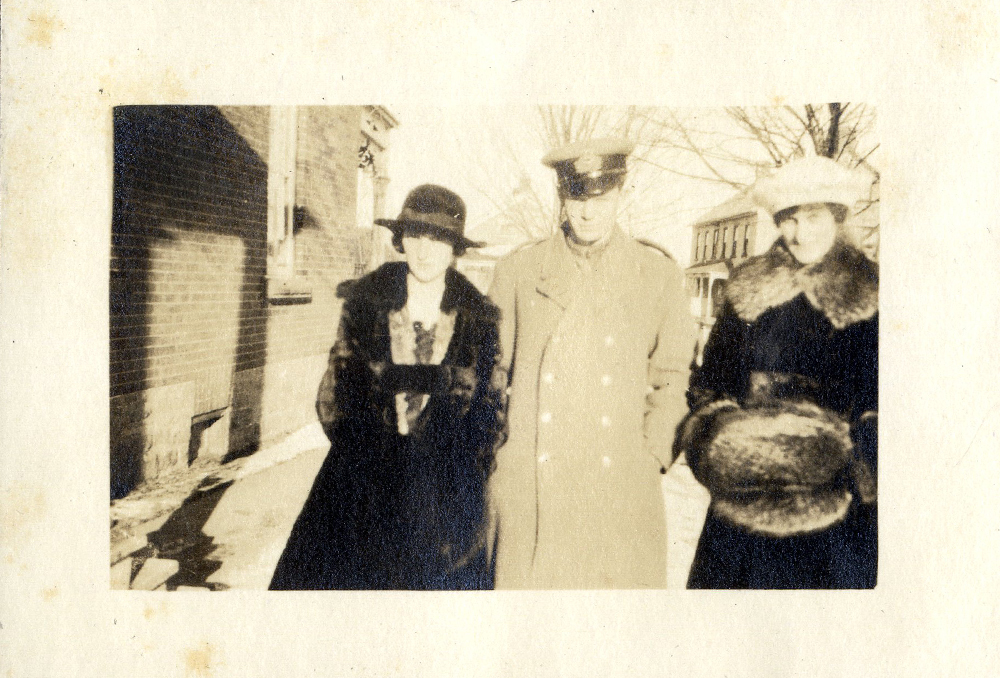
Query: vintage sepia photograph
(520,338)
(547,347)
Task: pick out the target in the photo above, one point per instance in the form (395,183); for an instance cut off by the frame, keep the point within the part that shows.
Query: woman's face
(809,232)
(427,257)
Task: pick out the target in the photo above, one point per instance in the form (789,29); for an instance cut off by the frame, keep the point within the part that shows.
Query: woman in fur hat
(782,428)
(414,410)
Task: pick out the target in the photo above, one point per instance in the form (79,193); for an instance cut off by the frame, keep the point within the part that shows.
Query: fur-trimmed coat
(782,429)
(399,504)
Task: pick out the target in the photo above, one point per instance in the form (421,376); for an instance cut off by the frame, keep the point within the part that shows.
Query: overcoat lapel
(557,276)
(618,277)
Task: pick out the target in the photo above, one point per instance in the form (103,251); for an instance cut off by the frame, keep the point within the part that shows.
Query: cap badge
(587,163)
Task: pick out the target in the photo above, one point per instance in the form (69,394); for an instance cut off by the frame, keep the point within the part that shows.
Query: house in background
(232,228)
(735,230)
(722,239)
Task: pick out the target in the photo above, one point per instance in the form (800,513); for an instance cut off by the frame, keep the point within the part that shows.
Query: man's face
(592,218)
(427,257)
(809,232)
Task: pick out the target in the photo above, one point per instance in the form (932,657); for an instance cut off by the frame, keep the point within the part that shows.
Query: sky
(485,153)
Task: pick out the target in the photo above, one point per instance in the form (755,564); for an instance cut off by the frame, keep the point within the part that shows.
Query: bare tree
(729,147)
(736,147)
(532,208)
(740,144)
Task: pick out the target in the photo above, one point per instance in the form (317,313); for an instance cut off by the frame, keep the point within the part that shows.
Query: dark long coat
(783,426)
(392,511)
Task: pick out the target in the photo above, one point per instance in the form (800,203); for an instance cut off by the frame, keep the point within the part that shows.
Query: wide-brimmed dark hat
(432,210)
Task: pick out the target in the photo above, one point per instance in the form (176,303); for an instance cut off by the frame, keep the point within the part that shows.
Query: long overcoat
(395,511)
(783,427)
(598,362)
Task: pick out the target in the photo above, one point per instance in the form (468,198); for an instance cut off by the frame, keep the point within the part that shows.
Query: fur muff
(843,285)
(773,470)
(785,514)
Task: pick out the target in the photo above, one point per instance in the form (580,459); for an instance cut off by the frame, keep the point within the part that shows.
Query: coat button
(605,421)
(548,377)
(556,339)
(542,458)
(609,340)
(606,380)
(546,417)
(606,462)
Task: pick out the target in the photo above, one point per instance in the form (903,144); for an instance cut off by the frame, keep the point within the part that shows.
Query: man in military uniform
(598,339)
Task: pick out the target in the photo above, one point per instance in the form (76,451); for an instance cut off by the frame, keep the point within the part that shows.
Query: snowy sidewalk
(230,531)
(230,527)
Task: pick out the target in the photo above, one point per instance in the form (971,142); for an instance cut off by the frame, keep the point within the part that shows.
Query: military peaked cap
(589,168)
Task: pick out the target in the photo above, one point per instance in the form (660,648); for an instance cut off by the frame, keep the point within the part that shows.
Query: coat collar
(843,285)
(559,275)
(386,288)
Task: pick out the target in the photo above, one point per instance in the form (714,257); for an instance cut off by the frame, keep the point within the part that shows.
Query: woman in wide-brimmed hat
(414,409)
(782,429)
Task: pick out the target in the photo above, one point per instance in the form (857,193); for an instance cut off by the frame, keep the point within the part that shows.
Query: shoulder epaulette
(656,247)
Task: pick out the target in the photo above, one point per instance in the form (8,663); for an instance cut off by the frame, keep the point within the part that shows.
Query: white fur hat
(809,180)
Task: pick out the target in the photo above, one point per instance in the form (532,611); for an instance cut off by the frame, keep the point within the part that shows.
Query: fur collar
(385,287)
(843,285)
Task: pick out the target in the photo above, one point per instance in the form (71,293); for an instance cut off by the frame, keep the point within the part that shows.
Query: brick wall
(327,251)
(195,344)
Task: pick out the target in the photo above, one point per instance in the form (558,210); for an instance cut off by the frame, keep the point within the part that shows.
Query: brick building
(232,228)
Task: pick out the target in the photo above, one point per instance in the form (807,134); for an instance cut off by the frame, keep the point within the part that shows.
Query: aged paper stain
(965,29)
(149,612)
(50,593)
(25,507)
(198,662)
(41,27)
(172,86)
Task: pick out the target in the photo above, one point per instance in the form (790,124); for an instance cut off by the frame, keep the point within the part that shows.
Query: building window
(281,192)
(746,238)
(717,290)
(283,286)
(365,212)
(736,235)
(715,242)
